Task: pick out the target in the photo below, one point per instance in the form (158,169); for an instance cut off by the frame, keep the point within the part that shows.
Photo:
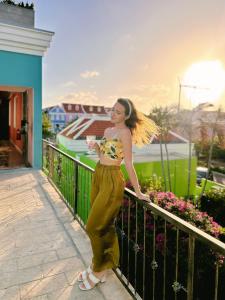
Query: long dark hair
(141,127)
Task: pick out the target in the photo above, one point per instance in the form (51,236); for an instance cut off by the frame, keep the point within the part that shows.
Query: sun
(204,81)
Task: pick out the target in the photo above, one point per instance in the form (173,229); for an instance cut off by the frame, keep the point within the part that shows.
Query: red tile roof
(93,109)
(88,109)
(75,108)
(96,128)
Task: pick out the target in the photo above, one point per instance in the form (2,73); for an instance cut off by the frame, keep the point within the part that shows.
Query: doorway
(14,114)
(4,115)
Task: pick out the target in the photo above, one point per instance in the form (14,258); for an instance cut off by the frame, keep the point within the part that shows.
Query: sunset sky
(104,49)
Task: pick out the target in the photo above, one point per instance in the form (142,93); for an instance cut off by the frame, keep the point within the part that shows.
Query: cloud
(146,96)
(89,74)
(69,84)
(82,97)
(156,88)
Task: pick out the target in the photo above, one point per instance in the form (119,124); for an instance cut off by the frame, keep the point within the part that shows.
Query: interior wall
(16,115)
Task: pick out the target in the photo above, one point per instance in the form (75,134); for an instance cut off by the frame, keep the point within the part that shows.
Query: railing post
(191,251)
(52,158)
(76,189)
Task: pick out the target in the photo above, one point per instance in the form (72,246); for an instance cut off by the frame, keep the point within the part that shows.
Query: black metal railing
(161,255)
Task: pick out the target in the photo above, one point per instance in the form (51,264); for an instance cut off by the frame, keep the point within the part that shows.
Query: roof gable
(56,109)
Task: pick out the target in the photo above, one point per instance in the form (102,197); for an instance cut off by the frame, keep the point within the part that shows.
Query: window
(91,108)
(69,107)
(77,107)
(99,109)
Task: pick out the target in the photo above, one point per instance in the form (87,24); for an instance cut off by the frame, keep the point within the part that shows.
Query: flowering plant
(187,211)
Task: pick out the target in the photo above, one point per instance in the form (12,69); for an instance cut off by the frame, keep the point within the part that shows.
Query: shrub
(213,202)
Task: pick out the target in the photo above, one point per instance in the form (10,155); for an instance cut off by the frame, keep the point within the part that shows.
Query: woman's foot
(83,275)
(92,280)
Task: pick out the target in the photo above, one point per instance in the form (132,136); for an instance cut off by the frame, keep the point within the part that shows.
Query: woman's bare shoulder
(107,130)
(125,133)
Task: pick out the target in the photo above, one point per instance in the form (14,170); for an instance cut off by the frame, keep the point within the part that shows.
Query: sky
(106,49)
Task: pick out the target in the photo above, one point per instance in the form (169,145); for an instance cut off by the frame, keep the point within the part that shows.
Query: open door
(16,127)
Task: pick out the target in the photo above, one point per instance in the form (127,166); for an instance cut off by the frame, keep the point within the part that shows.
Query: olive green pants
(106,199)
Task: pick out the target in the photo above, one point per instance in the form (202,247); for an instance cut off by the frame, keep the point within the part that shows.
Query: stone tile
(36,259)
(8,265)
(8,279)
(66,252)
(42,297)
(11,293)
(73,292)
(61,266)
(43,286)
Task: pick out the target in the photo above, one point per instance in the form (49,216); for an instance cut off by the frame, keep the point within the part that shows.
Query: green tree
(187,124)
(214,125)
(165,118)
(46,125)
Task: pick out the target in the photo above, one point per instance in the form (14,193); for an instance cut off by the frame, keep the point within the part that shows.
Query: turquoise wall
(24,70)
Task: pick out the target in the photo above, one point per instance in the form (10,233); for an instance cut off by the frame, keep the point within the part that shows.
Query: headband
(130,108)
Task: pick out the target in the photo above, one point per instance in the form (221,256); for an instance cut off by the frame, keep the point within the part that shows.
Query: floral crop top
(112,148)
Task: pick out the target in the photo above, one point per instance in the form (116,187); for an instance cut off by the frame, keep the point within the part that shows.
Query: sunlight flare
(204,82)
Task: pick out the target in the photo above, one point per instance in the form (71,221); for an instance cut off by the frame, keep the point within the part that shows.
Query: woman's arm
(95,146)
(126,139)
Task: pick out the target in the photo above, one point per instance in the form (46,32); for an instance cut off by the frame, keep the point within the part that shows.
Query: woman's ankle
(101,273)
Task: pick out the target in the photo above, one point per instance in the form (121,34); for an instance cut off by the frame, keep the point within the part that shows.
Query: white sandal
(83,275)
(94,279)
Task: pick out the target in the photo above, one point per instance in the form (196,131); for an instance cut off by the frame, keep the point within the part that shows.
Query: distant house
(75,111)
(62,115)
(202,124)
(73,137)
(57,117)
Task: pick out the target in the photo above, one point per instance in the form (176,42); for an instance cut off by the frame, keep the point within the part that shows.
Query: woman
(108,186)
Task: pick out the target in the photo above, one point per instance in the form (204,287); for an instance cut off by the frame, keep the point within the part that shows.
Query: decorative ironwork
(177,287)
(59,167)
(123,234)
(136,248)
(154,265)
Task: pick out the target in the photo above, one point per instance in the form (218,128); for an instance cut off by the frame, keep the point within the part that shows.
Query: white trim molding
(24,40)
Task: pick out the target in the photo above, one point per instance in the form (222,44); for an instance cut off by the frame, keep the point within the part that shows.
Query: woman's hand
(144,197)
(93,145)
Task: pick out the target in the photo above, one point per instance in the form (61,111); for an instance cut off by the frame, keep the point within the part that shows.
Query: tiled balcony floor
(42,248)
